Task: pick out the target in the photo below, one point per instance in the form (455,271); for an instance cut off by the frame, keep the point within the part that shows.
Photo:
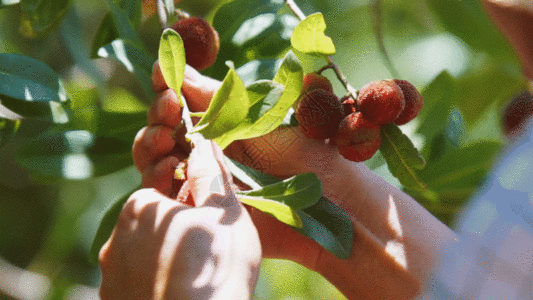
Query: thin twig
(331,64)
(376,13)
(295,9)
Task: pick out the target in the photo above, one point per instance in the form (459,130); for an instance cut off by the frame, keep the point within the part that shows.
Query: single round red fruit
(413,102)
(357,139)
(517,114)
(381,102)
(200,40)
(319,114)
(313,81)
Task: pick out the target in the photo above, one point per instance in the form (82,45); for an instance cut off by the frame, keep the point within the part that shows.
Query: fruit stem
(351,90)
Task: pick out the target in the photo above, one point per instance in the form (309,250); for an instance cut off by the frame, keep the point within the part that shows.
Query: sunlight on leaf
(277,209)
(309,37)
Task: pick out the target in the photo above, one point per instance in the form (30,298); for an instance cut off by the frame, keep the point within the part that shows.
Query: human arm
(396,241)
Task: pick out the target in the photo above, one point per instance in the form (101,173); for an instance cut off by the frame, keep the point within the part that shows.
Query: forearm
(411,236)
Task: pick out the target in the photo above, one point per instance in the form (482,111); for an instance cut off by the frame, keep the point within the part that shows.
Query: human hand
(391,230)
(166,249)
(515,18)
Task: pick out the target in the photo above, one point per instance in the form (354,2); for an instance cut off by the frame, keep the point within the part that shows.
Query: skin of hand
(396,241)
(515,20)
(165,249)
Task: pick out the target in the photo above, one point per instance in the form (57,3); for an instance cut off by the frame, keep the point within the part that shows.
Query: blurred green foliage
(450,50)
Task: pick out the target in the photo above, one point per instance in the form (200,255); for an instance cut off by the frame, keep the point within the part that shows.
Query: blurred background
(49,216)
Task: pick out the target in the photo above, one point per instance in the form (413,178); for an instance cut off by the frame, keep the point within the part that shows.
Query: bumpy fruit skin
(313,81)
(200,40)
(319,114)
(413,102)
(357,138)
(516,114)
(381,102)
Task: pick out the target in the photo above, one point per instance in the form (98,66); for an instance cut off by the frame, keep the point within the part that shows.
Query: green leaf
(8,128)
(107,224)
(40,17)
(268,102)
(278,210)
(31,89)
(252,177)
(324,222)
(75,154)
(290,74)
(105,34)
(438,102)
(259,31)
(259,69)
(25,78)
(135,59)
(4,3)
(172,60)
(124,26)
(297,192)
(328,225)
(309,37)
(227,110)
(132,8)
(462,167)
(403,159)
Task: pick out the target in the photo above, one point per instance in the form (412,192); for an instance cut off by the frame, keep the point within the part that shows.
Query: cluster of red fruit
(354,125)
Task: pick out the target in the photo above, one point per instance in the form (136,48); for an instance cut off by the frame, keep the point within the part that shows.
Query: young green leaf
(328,225)
(278,210)
(403,159)
(308,37)
(298,192)
(172,60)
(290,74)
(227,110)
(107,224)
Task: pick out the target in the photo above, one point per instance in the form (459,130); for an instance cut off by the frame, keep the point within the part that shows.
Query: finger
(158,82)
(209,176)
(165,110)
(151,144)
(198,89)
(161,175)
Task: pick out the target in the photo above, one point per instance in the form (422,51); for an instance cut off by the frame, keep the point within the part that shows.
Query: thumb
(208,176)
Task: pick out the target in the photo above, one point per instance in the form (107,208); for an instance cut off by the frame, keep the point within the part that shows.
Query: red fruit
(517,113)
(200,40)
(357,139)
(319,114)
(381,102)
(413,102)
(314,81)
(349,106)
